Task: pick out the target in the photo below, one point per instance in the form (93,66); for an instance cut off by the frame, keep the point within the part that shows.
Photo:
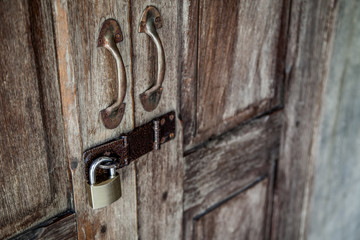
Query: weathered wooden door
(230,79)
(231,93)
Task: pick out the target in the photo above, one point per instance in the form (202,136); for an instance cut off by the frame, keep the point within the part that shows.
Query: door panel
(159,174)
(88,85)
(34,177)
(241,217)
(229,164)
(238,75)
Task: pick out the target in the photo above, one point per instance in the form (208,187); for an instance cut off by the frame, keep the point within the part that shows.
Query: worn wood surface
(34,177)
(58,227)
(334,210)
(239,48)
(309,36)
(241,217)
(158,174)
(88,84)
(231,161)
(228,164)
(225,81)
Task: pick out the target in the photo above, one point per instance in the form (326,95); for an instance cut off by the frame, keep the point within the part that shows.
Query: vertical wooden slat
(34,179)
(88,84)
(231,64)
(159,174)
(188,19)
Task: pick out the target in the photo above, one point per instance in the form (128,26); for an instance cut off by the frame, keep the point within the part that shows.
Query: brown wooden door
(229,77)
(231,92)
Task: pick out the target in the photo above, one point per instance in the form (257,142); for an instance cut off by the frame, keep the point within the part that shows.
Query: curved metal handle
(150,21)
(110,34)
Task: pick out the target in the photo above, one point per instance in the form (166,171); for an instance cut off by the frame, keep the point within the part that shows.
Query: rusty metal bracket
(130,146)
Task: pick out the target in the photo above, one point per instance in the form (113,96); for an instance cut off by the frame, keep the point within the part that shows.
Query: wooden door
(231,94)
(236,72)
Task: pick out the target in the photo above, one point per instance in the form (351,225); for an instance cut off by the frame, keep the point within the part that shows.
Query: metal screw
(172,135)
(171,117)
(162,122)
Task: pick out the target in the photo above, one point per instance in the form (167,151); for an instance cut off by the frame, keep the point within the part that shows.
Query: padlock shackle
(94,165)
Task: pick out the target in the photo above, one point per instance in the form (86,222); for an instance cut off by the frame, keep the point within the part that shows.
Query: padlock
(104,193)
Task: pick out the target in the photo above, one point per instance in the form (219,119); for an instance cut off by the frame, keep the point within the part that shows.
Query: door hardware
(110,34)
(106,192)
(150,21)
(123,150)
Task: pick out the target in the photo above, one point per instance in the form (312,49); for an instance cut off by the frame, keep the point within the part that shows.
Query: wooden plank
(231,161)
(308,46)
(58,227)
(88,84)
(34,178)
(334,209)
(188,22)
(159,174)
(242,217)
(240,47)
(237,159)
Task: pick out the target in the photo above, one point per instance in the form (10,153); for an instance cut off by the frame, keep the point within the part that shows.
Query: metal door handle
(110,34)
(150,21)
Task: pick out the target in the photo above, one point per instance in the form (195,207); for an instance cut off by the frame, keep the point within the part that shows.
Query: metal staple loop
(109,165)
(156,135)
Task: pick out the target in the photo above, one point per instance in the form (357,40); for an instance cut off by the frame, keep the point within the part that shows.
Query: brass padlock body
(104,193)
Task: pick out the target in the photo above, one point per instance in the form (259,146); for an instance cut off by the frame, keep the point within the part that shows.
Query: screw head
(162,122)
(171,117)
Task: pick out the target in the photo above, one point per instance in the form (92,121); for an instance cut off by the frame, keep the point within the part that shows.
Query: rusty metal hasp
(130,146)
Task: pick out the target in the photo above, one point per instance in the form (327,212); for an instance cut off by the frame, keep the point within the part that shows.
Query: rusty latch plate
(130,146)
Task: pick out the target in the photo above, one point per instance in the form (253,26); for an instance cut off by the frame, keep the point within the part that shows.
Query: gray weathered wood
(159,174)
(231,161)
(34,178)
(238,73)
(88,84)
(228,164)
(306,62)
(334,210)
(242,217)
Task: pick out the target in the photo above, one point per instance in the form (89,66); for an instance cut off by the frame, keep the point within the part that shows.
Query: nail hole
(164,196)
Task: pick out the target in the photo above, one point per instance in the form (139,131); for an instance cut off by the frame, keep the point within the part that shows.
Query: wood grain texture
(159,174)
(334,210)
(238,74)
(228,164)
(241,217)
(231,161)
(88,85)
(34,178)
(309,38)
(58,227)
